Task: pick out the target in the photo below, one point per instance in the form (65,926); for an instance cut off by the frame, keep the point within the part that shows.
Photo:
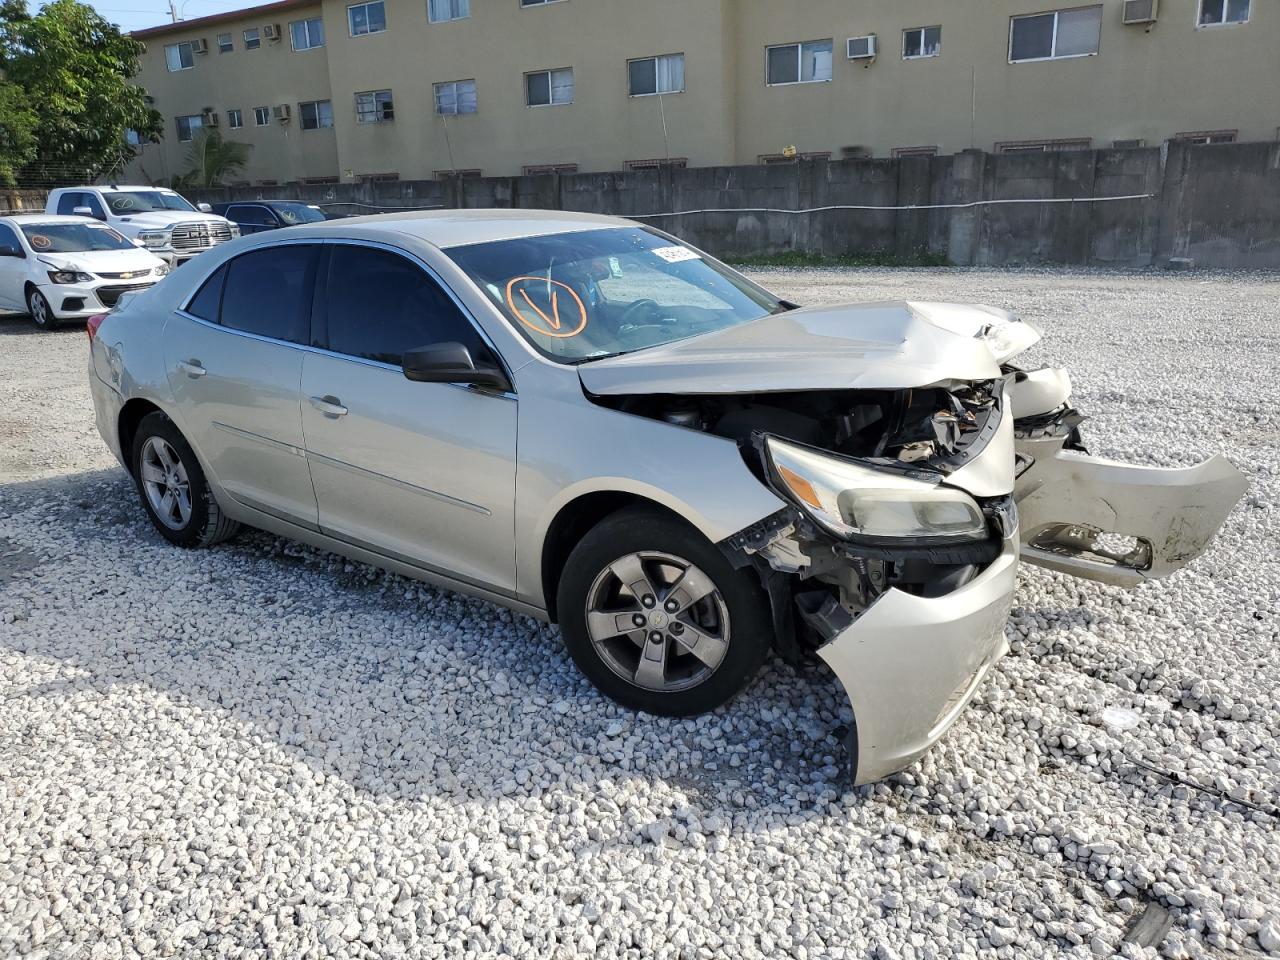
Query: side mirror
(451,362)
(204,207)
(12,252)
(85,212)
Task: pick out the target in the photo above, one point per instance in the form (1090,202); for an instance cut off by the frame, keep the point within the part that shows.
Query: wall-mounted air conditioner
(282,112)
(271,31)
(1141,11)
(209,117)
(861,48)
(200,45)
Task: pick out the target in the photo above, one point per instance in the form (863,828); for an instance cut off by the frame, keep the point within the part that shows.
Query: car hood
(160,219)
(104,261)
(867,346)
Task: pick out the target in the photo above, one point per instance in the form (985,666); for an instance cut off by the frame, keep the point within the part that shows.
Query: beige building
(414,89)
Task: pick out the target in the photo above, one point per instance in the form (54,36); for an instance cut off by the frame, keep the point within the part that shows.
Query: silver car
(593,423)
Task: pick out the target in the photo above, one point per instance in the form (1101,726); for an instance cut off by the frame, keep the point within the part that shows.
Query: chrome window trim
(308,348)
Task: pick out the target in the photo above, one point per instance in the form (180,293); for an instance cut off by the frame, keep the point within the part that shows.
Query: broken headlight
(852,501)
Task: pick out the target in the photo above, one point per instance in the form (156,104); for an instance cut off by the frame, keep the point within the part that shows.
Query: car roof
(121,188)
(457,228)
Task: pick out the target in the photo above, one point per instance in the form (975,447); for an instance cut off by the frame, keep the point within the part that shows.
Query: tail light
(92,324)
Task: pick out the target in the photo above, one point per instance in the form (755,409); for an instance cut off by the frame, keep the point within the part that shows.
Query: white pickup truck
(162,221)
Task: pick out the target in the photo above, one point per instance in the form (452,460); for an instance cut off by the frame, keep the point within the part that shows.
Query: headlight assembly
(855,502)
(161,270)
(69,276)
(154,240)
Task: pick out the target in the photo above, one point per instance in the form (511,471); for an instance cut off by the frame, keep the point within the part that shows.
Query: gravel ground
(262,750)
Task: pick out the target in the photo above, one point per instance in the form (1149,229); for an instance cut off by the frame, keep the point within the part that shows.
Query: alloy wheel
(40,312)
(164,479)
(658,621)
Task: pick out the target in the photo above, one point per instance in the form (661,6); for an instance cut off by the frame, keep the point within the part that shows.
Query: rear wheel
(41,313)
(657,618)
(172,486)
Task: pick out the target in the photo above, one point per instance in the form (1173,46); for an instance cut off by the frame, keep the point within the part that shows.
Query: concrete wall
(1217,204)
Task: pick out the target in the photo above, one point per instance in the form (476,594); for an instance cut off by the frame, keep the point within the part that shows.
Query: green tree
(76,68)
(210,159)
(18,123)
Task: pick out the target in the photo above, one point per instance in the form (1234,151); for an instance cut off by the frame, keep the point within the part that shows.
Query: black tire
(40,310)
(638,530)
(206,523)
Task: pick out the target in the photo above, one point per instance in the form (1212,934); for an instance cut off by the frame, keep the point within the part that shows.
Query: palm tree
(210,158)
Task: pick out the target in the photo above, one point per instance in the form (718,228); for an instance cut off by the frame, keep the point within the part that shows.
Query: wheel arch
(131,415)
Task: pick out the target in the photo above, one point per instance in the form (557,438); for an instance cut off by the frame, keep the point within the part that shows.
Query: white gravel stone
(262,750)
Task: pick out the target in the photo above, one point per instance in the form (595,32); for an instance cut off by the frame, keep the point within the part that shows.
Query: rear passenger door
(234,361)
(422,472)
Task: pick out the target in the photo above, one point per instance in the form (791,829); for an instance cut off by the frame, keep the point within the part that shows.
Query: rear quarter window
(268,292)
(207,302)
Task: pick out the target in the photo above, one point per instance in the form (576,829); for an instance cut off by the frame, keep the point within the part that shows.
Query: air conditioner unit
(282,112)
(1141,11)
(200,46)
(209,118)
(862,48)
(271,31)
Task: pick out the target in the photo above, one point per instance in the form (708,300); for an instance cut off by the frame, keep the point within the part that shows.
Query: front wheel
(172,486)
(41,313)
(657,618)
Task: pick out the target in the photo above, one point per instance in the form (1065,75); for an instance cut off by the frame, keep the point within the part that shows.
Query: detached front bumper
(910,664)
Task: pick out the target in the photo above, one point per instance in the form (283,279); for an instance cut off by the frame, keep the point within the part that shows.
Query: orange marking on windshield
(550,326)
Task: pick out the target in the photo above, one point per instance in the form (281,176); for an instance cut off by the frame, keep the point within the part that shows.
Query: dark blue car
(254,216)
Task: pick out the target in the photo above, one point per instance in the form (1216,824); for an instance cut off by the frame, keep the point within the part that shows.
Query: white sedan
(63,268)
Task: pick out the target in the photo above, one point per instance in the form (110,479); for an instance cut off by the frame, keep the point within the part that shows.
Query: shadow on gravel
(395,687)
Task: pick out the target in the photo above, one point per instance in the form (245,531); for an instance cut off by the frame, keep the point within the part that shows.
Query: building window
(458,174)
(235,119)
(540,169)
(320,180)
(536,3)
(549,87)
(316,114)
(307,34)
(1128,144)
(1207,136)
(675,163)
(920,42)
(365,18)
(1215,13)
(252,40)
(798,63)
(915,151)
(268,183)
(1055,36)
(440,11)
(775,159)
(656,75)
(261,116)
(455,97)
(1043,146)
(187,127)
(224,43)
(374,107)
(379,177)
(179,56)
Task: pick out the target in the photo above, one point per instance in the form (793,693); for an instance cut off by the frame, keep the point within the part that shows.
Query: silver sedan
(593,423)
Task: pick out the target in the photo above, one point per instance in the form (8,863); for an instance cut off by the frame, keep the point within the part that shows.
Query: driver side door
(420,472)
(13,270)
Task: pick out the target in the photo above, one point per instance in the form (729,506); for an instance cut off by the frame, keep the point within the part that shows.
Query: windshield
(139,201)
(299,212)
(73,237)
(582,296)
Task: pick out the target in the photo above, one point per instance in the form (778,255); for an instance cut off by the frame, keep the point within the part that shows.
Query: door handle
(193,368)
(329,406)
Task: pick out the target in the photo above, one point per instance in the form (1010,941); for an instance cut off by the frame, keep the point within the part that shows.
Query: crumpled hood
(865,346)
(103,261)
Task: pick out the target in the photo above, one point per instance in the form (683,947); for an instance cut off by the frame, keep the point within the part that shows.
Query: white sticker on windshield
(676,254)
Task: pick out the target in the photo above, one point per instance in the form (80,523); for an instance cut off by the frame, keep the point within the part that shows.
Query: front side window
(439,11)
(261,116)
(366,18)
(251,215)
(140,201)
(235,119)
(921,42)
(307,34)
(179,56)
(456,97)
(1055,36)
(252,39)
(593,293)
(798,63)
(549,87)
(396,307)
(374,107)
(656,75)
(1217,12)
(187,126)
(268,292)
(224,43)
(316,115)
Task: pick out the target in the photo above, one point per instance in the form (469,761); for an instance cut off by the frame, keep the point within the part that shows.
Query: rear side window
(205,304)
(380,305)
(68,202)
(255,216)
(268,292)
